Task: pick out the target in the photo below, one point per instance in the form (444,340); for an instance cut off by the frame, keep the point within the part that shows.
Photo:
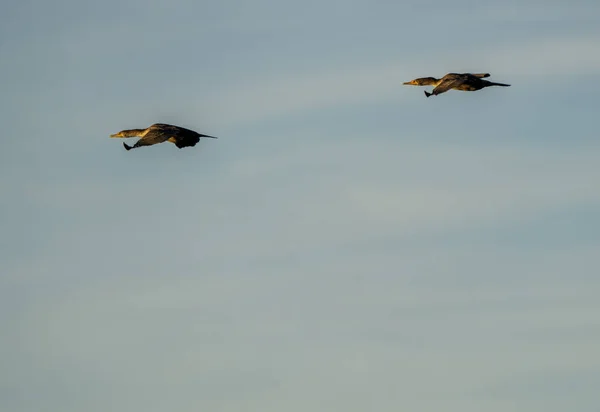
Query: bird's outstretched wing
(161,132)
(181,136)
(155,135)
(182,141)
(449,83)
(479,75)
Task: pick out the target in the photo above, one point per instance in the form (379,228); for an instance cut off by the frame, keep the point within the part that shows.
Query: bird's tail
(427,94)
(127,147)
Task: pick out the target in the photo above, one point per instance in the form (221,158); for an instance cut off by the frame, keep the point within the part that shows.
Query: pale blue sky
(346,245)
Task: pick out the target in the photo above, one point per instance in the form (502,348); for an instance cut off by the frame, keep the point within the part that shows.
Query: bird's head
(422,81)
(128,133)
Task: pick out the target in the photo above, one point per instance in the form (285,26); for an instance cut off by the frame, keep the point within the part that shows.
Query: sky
(345,245)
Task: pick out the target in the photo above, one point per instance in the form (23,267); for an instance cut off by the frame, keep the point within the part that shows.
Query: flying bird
(469,82)
(159,133)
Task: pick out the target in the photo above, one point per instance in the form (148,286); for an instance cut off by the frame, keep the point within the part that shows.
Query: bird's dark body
(162,132)
(467,82)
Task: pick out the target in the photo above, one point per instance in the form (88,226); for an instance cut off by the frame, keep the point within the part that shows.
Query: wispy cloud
(346,244)
(395,196)
(321,88)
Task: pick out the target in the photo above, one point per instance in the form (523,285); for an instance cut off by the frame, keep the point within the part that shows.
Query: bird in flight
(469,82)
(159,133)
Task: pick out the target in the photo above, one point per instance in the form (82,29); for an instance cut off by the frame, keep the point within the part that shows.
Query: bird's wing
(155,135)
(449,83)
(185,140)
(180,136)
(479,75)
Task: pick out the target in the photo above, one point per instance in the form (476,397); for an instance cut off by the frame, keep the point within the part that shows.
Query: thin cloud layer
(347,244)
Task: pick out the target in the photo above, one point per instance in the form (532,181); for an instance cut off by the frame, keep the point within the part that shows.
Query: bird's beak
(114,135)
(410,83)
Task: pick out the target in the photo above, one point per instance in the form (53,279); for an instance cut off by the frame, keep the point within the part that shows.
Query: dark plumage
(458,81)
(161,132)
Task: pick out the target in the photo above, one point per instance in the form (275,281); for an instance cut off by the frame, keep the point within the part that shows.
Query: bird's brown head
(422,81)
(128,133)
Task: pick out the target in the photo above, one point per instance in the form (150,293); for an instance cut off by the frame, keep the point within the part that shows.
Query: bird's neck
(428,81)
(133,132)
